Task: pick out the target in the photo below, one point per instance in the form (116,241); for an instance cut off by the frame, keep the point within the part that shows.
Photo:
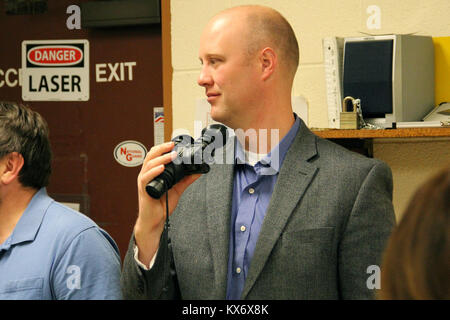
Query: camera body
(192,157)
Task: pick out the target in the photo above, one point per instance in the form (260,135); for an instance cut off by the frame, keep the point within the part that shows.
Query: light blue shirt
(252,191)
(57,253)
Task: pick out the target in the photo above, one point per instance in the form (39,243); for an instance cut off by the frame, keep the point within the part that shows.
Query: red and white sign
(130,153)
(61,56)
(55,70)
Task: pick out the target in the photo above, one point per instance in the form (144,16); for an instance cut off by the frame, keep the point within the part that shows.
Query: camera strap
(170,288)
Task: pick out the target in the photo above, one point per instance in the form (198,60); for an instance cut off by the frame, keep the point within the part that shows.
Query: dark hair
(417,259)
(24,131)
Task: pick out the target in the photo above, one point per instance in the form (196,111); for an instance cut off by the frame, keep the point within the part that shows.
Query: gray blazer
(328,220)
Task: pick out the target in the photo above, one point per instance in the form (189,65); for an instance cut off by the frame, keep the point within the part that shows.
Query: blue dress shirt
(252,190)
(54,253)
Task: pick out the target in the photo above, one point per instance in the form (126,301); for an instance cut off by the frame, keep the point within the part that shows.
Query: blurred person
(47,250)
(302,219)
(416,263)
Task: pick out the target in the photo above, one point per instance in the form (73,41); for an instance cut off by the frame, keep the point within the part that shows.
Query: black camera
(192,157)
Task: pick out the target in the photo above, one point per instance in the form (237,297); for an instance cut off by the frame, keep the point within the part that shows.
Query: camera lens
(156,188)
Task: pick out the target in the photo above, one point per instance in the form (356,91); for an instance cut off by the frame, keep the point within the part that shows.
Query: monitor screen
(368,75)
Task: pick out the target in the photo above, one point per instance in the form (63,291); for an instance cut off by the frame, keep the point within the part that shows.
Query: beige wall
(412,161)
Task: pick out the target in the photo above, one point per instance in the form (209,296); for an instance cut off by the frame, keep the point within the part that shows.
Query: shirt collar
(274,159)
(28,225)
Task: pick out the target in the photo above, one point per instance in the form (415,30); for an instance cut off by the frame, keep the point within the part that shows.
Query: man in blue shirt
(47,251)
(291,216)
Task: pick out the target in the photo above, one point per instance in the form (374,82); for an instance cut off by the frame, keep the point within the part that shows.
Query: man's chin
(219,117)
(216,113)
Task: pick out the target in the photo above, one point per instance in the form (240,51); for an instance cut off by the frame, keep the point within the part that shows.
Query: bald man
(293,216)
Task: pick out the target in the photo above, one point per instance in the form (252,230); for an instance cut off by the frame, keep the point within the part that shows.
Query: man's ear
(12,163)
(269,62)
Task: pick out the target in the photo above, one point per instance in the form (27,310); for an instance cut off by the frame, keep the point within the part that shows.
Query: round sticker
(130,153)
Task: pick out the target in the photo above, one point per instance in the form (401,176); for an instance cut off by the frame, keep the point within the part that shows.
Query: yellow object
(441,69)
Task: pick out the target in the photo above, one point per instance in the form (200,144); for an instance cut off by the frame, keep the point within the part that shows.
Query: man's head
(268,28)
(24,133)
(249,55)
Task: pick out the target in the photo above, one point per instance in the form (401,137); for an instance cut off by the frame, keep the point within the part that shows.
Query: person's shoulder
(340,154)
(340,161)
(68,224)
(63,216)
(321,150)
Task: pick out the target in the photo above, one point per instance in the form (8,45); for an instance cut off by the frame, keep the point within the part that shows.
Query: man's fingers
(164,159)
(158,150)
(146,177)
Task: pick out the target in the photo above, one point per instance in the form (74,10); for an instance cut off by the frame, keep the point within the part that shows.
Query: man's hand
(152,212)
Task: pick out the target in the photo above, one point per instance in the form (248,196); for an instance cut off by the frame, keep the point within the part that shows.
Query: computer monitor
(392,75)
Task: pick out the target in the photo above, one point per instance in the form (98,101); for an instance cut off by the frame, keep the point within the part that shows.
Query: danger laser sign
(55,70)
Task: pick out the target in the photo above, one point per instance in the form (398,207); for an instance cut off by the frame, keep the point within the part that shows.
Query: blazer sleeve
(160,282)
(365,235)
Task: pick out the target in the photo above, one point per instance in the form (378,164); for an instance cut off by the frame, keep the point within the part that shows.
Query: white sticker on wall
(130,153)
(158,125)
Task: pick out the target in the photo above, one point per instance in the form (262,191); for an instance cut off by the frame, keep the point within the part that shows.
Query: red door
(84,134)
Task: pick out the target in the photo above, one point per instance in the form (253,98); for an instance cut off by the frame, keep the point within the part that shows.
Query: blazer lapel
(219,192)
(294,178)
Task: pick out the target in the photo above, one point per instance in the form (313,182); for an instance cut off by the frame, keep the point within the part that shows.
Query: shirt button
(251,191)
(238,270)
(243,228)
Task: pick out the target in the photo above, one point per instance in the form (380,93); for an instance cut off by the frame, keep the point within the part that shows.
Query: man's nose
(204,78)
